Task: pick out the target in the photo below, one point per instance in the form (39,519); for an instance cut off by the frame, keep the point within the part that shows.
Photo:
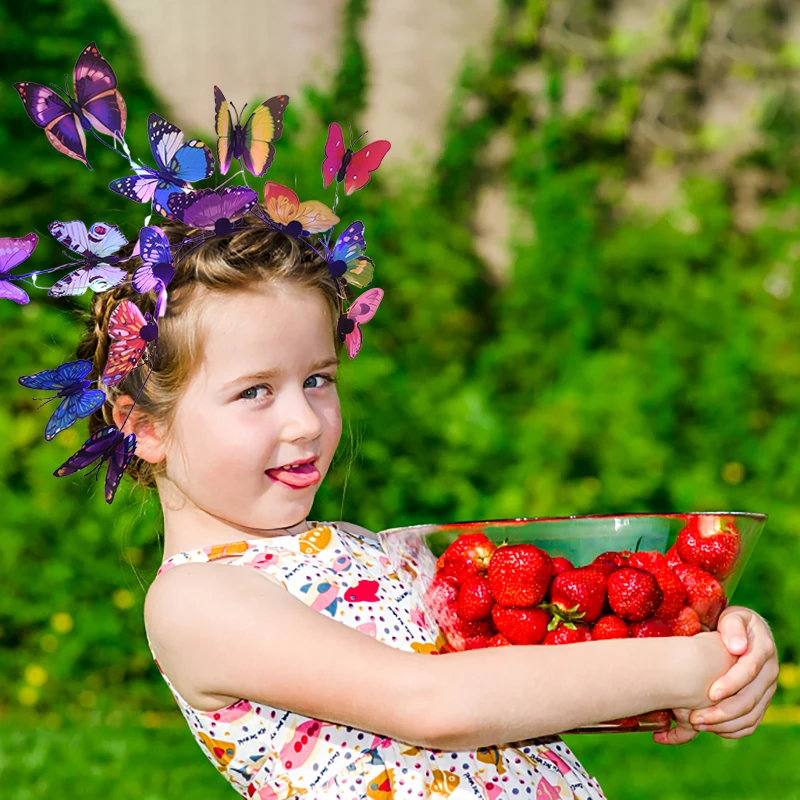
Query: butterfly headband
(95,106)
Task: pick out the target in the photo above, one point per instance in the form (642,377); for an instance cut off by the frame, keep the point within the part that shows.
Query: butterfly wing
(97,94)
(361,311)
(72,235)
(121,456)
(334,153)
(223,125)
(96,446)
(185,162)
(125,325)
(105,240)
(139,188)
(154,246)
(64,375)
(70,409)
(364,161)
(11,291)
(47,110)
(97,277)
(360,272)
(14,251)
(315,216)
(263,127)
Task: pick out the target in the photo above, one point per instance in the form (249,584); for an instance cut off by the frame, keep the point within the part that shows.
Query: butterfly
(347,260)
(351,167)
(12,253)
(109,444)
(157,270)
(178,165)
(96,104)
(212,210)
(250,143)
(361,310)
(133,331)
(295,218)
(79,400)
(97,247)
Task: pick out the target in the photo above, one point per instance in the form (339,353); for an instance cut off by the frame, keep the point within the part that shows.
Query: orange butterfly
(284,208)
(133,331)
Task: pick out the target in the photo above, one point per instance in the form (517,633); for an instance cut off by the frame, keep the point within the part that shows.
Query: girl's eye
(326,380)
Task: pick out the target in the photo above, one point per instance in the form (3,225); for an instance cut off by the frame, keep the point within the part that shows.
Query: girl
(318,682)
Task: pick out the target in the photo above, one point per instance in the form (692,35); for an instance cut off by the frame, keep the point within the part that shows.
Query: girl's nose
(301,421)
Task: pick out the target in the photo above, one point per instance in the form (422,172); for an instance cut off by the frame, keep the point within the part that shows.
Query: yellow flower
(27,695)
(35,675)
(62,622)
(789,676)
(123,599)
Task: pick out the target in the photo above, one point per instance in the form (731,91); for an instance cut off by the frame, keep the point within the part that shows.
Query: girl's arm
(222,630)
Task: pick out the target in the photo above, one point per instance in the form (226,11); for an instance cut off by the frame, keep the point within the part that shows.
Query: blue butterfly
(178,163)
(79,400)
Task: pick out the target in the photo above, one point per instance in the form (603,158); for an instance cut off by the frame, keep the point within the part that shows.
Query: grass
(154,757)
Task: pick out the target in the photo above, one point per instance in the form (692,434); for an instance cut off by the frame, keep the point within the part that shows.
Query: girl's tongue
(299,476)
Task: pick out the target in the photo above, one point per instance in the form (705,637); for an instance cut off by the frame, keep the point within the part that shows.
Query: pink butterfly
(361,310)
(133,331)
(351,167)
(12,253)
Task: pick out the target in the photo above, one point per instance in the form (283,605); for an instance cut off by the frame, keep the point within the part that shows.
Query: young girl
(306,672)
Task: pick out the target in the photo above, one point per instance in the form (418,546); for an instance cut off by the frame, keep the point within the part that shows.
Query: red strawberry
(619,558)
(519,575)
(475,599)
(521,625)
(580,592)
(670,585)
(560,564)
(705,593)
(710,542)
(498,640)
(610,627)
(687,623)
(673,557)
(652,626)
(457,628)
(468,555)
(564,635)
(442,592)
(633,594)
(476,642)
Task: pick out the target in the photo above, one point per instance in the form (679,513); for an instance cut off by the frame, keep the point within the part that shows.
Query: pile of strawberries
(484,595)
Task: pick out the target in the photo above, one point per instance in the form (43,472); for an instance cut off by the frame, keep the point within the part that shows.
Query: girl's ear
(149,444)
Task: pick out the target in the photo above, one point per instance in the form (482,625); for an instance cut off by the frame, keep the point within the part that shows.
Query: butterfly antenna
(356,141)
(106,144)
(56,88)
(66,86)
(45,401)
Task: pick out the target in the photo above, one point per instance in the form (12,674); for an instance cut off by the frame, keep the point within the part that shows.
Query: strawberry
(710,542)
(619,558)
(568,635)
(476,642)
(442,592)
(705,593)
(468,555)
(673,557)
(687,623)
(475,599)
(633,594)
(498,640)
(560,564)
(610,627)
(519,575)
(652,626)
(521,625)
(579,592)
(670,585)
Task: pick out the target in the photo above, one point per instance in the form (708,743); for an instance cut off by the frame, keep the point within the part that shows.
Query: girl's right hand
(712,660)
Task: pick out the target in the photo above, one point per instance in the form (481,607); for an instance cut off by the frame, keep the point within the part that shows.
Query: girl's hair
(221,264)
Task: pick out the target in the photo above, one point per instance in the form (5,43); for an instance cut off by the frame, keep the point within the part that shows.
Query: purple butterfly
(96,248)
(79,400)
(157,270)
(211,210)
(109,444)
(347,262)
(95,104)
(12,253)
(178,165)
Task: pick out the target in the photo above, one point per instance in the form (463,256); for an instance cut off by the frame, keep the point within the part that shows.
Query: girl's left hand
(745,690)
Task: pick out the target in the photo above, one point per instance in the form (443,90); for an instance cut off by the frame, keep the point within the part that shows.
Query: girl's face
(262,397)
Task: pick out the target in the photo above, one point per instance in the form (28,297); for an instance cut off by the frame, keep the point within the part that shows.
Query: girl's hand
(748,686)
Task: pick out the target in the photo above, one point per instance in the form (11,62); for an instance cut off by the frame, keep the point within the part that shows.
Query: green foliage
(629,361)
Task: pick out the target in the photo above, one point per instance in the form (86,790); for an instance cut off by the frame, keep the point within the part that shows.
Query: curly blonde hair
(221,264)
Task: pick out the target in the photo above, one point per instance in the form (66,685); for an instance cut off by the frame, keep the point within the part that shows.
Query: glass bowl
(414,551)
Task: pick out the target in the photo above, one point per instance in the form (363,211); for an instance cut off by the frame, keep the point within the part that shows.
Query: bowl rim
(518,520)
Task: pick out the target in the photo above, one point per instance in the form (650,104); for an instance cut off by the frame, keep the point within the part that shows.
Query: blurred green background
(640,353)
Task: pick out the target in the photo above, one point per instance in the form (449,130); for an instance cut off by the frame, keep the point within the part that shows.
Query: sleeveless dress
(271,754)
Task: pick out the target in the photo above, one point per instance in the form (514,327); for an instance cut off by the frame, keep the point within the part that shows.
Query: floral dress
(272,754)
